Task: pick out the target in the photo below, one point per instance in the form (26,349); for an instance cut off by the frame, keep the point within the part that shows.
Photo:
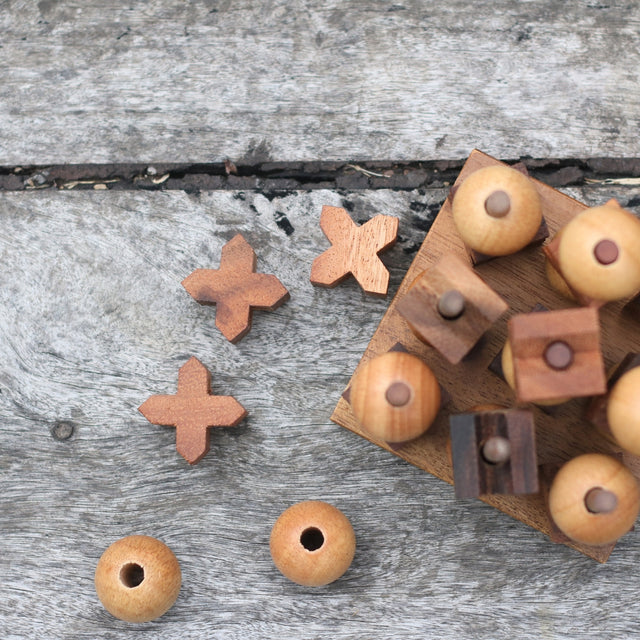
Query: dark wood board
(562,431)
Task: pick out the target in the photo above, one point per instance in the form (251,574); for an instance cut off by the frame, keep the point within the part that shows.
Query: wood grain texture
(520,279)
(105,81)
(93,317)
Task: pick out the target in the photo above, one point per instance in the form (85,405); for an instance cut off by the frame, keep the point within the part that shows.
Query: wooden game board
(562,431)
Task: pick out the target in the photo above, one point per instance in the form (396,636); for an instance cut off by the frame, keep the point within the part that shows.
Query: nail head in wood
(192,410)
(496,450)
(451,304)
(236,289)
(556,354)
(450,307)
(498,204)
(354,250)
(493,452)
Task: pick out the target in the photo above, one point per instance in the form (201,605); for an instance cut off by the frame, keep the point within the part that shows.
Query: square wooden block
(450,307)
(557,354)
(494,452)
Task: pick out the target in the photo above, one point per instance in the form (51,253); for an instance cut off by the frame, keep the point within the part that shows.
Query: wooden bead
(594,499)
(599,253)
(138,579)
(312,543)
(623,411)
(497,210)
(395,397)
(509,376)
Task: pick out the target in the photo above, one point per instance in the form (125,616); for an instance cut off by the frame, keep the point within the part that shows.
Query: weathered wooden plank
(96,81)
(93,320)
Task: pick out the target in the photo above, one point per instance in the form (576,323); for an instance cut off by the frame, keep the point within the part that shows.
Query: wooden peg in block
(617,413)
(449,307)
(235,289)
(354,250)
(497,211)
(193,410)
(594,499)
(494,452)
(557,354)
(597,254)
(395,397)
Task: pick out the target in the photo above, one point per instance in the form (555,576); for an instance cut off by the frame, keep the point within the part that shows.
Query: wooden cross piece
(193,410)
(354,250)
(235,289)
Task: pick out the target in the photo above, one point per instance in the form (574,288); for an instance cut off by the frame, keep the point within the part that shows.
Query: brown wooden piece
(312,543)
(521,280)
(594,499)
(138,579)
(395,397)
(494,452)
(193,410)
(598,255)
(235,289)
(557,354)
(497,210)
(354,250)
(453,337)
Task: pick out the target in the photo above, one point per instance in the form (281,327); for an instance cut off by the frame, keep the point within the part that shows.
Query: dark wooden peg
(449,307)
(494,452)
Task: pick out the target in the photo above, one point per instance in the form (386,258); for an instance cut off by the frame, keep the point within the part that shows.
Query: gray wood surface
(162,80)
(93,320)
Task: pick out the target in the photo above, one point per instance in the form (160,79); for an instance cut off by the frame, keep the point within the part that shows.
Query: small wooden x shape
(354,250)
(193,410)
(236,289)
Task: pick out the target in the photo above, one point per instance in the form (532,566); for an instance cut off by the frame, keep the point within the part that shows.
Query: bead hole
(131,575)
(311,539)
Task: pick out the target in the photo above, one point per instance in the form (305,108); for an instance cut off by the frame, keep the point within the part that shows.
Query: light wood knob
(594,499)
(137,579)
(623,411)
(312,543)
(497,210)
(599,253)
(395,397)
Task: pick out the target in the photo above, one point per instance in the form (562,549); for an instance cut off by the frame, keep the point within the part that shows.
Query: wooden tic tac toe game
(501,444)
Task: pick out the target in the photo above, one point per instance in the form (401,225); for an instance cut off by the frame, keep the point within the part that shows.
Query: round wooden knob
(137,579)
(395,397)
(599,253)
(497,210)
(509,376)
(594,499)
(312,543)
(623,411)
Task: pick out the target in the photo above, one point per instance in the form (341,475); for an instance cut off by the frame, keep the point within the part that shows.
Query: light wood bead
(509,376)
(577,258)
(504,233)
(570,494)
(623,411)
(395,397)
(312,543)
(138,579)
